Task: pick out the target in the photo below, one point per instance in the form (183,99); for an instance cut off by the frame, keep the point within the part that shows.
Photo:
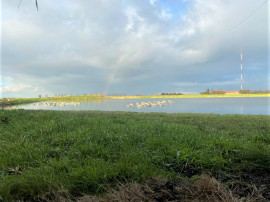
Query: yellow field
(188,96)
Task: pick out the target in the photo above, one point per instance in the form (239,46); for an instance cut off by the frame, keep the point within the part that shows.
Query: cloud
(152,2)
(192,84)
(133,47)
(15,89)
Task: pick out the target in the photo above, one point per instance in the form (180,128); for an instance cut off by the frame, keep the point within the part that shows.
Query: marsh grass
(87,152)
(19,101)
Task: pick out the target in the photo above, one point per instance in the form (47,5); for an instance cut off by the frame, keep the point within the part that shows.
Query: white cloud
(166,14)
(12,30)
(152,2)
(16,88)
(133,18)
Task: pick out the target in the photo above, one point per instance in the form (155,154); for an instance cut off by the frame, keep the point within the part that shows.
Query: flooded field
(251,105)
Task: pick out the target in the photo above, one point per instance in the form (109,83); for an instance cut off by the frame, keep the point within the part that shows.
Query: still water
(250,105)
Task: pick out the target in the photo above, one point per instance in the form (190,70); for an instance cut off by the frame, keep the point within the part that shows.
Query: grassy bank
(90,152)
(18,101)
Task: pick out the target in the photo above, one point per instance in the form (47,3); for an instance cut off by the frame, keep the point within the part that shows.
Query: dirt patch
(246,183)
(201,188)
(257,179)
(60,195)
(188,170)
(204,188)
(207,188)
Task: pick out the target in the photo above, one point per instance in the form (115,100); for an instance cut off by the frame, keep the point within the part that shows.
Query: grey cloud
(92,46)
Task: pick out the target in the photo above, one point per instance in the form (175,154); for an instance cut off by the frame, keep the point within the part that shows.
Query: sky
(143,47)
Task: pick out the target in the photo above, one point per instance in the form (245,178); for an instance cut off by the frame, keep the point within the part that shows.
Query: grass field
(88,152)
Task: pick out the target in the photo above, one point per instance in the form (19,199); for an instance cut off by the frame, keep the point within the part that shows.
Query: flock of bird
(138,105)
(58,104)
(151,104)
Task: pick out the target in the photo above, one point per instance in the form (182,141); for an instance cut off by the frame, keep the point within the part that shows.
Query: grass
(18,101)
(87,152)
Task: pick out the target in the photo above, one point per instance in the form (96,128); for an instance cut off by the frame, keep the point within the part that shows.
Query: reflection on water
(251,105)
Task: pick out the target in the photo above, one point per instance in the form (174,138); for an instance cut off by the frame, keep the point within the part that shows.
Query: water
(250,105)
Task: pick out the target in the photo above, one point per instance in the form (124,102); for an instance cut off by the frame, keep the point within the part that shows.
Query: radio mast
(241,53)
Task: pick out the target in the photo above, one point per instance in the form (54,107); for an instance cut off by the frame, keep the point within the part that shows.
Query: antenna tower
(241,53)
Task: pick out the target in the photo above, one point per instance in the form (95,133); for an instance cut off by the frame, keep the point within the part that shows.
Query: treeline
(220,91)
(171,93)
(116,94)
(260,92)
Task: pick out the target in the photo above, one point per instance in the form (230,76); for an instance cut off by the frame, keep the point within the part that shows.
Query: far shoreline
(187,96)
(17,101)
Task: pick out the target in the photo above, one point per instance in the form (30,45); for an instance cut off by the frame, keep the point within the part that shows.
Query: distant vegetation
(208,92)
(46,155)
(254,91)
(171,94)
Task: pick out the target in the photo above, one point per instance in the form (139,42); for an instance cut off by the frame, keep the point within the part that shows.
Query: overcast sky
(132,46)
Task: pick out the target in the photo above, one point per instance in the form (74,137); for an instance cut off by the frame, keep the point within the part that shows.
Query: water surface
(248,105)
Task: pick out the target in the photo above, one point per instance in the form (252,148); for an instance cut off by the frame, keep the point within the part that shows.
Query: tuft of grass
(87,152)
(207,188)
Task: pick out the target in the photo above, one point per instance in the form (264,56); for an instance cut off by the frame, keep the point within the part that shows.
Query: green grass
(90,151)
(18,101)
